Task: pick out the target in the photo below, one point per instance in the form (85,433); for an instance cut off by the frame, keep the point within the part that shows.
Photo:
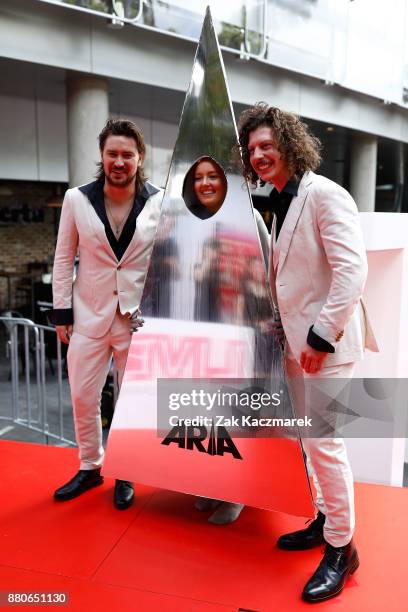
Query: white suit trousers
(327,459)
(88,365)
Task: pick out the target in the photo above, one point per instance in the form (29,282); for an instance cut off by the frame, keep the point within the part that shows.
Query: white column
(87,112)
(363,171)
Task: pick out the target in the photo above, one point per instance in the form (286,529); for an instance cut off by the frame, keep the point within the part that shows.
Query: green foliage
(103,6)
(230,36)
(233,36)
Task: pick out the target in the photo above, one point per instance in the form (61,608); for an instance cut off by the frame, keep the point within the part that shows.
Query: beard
(125,181)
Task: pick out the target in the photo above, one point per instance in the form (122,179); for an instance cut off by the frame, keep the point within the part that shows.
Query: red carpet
(161,554)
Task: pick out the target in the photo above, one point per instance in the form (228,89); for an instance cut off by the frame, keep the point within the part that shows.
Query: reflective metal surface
(211,269)
(207,310)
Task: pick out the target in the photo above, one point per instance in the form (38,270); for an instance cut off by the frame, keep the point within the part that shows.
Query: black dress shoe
(124,494)
(305,538)
(331,575)
(81,482)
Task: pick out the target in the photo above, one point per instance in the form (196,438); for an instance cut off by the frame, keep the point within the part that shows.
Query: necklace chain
(117,226)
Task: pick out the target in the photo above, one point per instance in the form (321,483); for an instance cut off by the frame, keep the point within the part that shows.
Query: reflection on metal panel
(207,310)
(207,265)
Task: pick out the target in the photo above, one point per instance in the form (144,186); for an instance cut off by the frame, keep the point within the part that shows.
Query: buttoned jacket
(103,283)
(318,268)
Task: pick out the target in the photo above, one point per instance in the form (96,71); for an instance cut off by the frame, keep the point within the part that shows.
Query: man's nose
(119,161)
(257,154)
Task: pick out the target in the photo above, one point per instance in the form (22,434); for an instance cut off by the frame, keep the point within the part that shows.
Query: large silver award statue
(202,408)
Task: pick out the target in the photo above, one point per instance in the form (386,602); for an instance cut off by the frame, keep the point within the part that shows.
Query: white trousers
(327,460)
(88,365)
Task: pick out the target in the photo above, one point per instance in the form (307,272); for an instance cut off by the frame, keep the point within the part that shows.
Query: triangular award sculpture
(204,353)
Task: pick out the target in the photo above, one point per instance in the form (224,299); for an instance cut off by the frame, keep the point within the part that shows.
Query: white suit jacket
(318,268)
(102,282)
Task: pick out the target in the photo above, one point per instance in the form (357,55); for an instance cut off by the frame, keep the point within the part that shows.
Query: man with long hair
(111,223)
(317,271)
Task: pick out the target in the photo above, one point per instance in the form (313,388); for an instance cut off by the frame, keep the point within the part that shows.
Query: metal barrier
(35,404)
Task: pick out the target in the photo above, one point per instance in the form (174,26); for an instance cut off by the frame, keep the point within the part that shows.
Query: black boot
(81,482)
(124,494)
(331,575)
(305,538)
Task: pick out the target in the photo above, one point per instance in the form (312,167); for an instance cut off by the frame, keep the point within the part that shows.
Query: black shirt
(94,193)
(280,201)
(200,211)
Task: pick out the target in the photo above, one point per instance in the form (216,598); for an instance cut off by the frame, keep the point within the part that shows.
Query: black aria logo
(190,438)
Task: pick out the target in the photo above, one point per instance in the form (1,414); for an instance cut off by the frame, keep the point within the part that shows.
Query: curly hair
(299,148)
(123,127)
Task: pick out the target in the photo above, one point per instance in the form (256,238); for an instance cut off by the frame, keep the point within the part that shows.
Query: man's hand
(136,320)
(311,361)
(64,332)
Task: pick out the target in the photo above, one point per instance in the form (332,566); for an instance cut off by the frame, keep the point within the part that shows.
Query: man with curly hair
(318,268)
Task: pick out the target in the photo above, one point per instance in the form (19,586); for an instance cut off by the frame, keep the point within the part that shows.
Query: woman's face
(209,186)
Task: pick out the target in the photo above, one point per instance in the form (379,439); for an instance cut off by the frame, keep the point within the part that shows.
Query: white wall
(381,459)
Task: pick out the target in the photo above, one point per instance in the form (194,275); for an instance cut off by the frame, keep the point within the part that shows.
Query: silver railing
(34,400)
